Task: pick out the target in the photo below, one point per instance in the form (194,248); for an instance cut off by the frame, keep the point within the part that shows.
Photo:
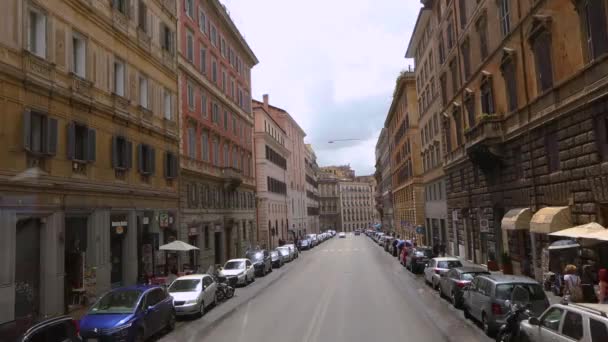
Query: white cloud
(331,64)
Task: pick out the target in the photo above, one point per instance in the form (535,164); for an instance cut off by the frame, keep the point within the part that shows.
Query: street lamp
(333,141)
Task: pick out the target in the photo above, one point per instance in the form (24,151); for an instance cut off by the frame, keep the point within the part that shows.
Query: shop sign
(454,215)
(163,218)
(146,220)
(119,227)
(192,231)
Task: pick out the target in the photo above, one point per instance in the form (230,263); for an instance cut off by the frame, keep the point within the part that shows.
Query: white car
(193,294)
(240,269)
(438,266)
(291,255)
(293,250)
(341,235)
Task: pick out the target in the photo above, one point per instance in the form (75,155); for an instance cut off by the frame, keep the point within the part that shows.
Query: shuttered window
(552,151)
(122,153)
(509,74)
(39,133)
(146,159)
(469,105)
(191,142)
(170,165)
(458,123)
(487,96)
(81,143)
(593,22)
(541,45)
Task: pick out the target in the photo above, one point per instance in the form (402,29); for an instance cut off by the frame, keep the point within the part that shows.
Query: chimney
(266,102)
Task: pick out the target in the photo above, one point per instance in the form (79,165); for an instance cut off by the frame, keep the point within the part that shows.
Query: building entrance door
(217,246)
(27,269)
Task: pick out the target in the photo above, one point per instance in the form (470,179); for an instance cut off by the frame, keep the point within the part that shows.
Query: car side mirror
(534,321)
(150,308)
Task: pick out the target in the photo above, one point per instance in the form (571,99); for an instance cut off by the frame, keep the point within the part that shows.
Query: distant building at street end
(357,203)
(329,201)
(384,194)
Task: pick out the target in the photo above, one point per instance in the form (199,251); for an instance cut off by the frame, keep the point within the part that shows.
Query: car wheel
(253,279)
(486,326)
(171,321)
(467,315)
(246,281)
(436,286)
(201,310)
(454,300)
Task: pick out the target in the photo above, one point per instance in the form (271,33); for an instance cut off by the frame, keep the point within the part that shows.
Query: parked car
(453,282)
(484,299)
(313,239)
(578,322)
(131,313)
(56,329)
(285,253)
(305,244)
(437,266)
(193,294)
(262,263)
(341,235)
(293,250)
(277,258)
(238,272)
(357,232)
(417,258)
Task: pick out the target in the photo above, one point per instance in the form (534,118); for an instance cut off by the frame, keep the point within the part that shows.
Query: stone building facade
(271,155)
(89,169)
(357,207)
(424,53)
(523,88)
(312,190)
(406,178)
(383,175)
(329,202)
(217,192)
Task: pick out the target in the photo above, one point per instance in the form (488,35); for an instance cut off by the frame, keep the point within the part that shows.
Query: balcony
(232,177)
(483,142)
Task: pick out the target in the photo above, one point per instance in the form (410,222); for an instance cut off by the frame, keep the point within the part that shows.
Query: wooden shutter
(597,24)
(189,195)
(174,165)
(115,152)
(91,145)
(140,158)
(27,130)
(128,155)
(51,136)
(71,140)
(166,162)
(152,160)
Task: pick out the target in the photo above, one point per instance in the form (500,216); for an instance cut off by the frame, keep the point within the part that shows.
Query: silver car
(438,266)
(485,299)
(285,253)
(293,250)
(193,294)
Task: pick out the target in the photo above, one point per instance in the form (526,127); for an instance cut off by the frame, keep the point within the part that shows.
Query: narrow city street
(343,290)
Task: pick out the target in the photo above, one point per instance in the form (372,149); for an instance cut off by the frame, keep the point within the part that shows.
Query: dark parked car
(128,314)
(453,282)
(261,260)
(417,258)
(57,329)
(277,259)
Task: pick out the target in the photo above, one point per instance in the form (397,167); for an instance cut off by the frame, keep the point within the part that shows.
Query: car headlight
(191,301)
(122,330)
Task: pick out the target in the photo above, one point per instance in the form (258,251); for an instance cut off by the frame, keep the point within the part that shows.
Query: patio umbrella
(178,246)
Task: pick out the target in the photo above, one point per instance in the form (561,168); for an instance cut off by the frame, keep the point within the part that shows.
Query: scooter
(509,331)
(224,291)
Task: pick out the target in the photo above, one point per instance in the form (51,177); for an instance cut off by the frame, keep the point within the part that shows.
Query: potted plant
(507,265)
(492,263)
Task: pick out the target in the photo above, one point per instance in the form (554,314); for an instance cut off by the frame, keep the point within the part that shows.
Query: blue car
(128,314)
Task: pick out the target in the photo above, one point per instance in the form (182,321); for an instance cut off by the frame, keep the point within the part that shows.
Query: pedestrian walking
(602,294)
(572,285)
(394,250)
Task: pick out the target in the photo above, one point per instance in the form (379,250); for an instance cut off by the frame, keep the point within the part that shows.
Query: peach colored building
(271,155)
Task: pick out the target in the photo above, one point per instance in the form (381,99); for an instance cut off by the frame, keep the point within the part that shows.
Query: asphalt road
(343,290)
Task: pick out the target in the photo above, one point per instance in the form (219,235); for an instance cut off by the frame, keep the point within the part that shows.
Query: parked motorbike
(509,331)
(224,291)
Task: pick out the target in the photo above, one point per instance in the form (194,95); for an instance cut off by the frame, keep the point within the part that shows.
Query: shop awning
(518,218)
(599,235)
(177,246)
(550,219)
(584,231)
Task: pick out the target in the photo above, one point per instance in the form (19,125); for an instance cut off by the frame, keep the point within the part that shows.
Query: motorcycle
(509,331)
(224,291)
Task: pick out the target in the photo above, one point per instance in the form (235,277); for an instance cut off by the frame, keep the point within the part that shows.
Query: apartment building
(271,155)
(406,169)
(357,207)
(383,176)
(329,201)
(523,87)
(424,52)
(89,168)
(217,193)
(312,190)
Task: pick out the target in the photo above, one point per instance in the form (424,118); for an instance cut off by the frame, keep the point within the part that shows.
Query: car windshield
(234,265)
(503,291)
(184,285)
(257,256)
(274,254)
(471,275)
(284,251)
(117,302)
(449,264)
(424,253)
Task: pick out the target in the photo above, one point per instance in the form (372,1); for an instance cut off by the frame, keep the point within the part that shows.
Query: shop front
(516,239)
(544,222)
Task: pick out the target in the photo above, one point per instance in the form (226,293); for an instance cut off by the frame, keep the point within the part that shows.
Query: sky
(332,64)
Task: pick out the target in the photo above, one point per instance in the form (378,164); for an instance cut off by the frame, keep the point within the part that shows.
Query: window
(444,94)
(122,151)
(168,105)
(79,55)
(508,73)
(462,9)
(466,58)
(189,7)
(226,156)
(39,133)
(441,51)
(146,159)
(573,325)
(204,104)
(143,91)
(552,150)
(469,105)
(224,82)
(191,142)
(119,77)
(593,22)
(235,158)
(223,47)
(234,130)
(142,16)
(205,146)
(167,38)
(541,45)
(482,30)
(213,35)
(458,123)
(454,72)
(170,165)
(202,21)
(81,143)
(216,152)
(215,113)
(203,61)
(504,16)
(120,5)
(487,96)
(598,330)
(214,70)
(232,88)
(450,34)
(37,33)
(225,120)
(189,46)
(190,94)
